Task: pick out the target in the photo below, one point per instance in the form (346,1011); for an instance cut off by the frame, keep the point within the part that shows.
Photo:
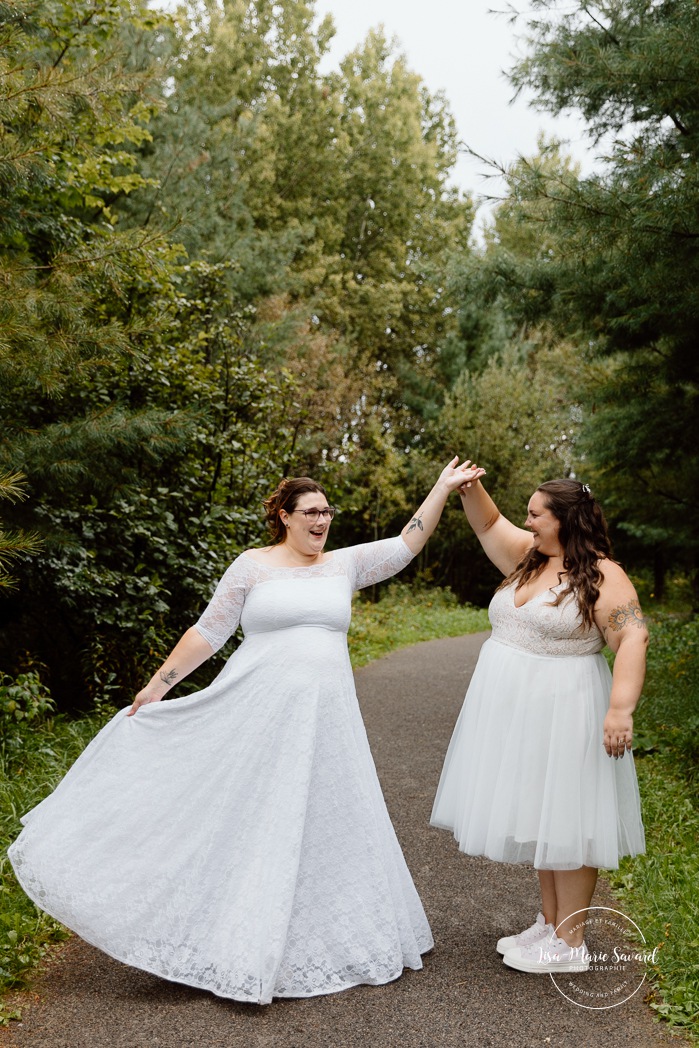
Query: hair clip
(586,489)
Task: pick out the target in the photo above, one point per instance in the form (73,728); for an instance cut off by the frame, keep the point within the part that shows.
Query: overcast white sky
(458,46)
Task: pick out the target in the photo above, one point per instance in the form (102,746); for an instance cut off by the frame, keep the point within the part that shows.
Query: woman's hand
(618,732)
(189,652)
(144,696)
(470,472)
(458,478)
(419,528)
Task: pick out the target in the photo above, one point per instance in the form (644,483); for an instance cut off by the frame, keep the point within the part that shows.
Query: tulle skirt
(526,777)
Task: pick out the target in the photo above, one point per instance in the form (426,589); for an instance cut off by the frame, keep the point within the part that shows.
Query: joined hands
(459,478)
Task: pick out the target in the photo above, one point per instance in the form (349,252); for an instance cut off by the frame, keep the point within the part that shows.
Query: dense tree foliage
(220,265)
(615,263)
(216,262)
(128,389)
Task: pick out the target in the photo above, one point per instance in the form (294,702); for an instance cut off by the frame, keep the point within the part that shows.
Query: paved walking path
(463,998)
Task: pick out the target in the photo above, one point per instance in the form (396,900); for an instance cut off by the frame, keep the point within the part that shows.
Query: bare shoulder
(613,573)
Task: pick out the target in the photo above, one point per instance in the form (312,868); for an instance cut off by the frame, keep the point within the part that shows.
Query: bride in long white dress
(237,839)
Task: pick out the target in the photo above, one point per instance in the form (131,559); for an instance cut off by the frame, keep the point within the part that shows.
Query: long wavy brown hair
(585,540)
(288,492)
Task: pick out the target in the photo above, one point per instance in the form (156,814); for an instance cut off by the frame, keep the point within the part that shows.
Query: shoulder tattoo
(626,615)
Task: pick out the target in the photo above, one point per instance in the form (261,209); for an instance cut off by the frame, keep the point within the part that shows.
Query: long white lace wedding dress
(526,777)
(237,839)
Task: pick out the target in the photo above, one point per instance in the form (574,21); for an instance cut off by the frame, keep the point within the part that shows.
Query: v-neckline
(518,607)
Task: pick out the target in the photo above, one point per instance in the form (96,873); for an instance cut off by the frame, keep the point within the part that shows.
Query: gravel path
(463,997)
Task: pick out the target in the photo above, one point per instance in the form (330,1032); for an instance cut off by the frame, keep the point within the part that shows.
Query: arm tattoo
(170,677)
(625,615)
(415,523)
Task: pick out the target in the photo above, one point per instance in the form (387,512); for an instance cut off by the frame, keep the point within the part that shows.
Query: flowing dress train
(237,839)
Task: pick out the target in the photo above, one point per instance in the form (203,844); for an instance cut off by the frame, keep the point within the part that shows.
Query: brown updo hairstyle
(585,541)
(288,492)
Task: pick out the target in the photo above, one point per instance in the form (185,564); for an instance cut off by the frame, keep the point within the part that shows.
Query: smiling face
(303,534)
(544,526)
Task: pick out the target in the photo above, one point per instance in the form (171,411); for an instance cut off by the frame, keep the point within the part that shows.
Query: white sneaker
(548,955)
(538,930)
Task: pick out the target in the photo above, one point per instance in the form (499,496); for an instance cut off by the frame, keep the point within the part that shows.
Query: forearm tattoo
(416,523)
(170,677)
(626,615)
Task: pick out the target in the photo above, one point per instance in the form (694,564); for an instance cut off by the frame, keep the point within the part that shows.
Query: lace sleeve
(221,618)
(375,561)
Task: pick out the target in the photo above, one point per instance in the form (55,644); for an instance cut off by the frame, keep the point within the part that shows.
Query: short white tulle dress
(526,778)
(237,839)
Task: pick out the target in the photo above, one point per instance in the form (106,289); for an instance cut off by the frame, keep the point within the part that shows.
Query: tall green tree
(330,192)
(73,96)
(245,150)
(515,416)
(398,208)
(129,397)
(621,269)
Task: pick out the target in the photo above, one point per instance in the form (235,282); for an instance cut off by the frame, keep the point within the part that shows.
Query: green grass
(34,756)
(667,718)
(660,890)
(404,616)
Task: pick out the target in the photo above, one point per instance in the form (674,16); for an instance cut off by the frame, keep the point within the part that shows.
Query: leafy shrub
(23,698)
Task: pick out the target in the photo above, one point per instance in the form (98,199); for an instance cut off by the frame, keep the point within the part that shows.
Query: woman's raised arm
(422,524)
(504,543)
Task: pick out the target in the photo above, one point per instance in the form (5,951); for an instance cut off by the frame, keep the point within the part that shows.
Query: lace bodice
(362,565)
(541,629)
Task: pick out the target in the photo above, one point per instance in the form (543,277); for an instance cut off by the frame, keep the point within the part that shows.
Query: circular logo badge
(617,963)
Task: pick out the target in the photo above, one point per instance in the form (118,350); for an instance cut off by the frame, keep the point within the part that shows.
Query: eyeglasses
(312,515)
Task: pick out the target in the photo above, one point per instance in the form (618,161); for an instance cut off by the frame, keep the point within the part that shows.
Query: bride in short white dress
(526,778)
(534,770)
(237,839)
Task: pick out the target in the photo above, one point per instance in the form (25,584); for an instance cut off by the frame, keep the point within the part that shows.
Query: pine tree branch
(580,203)
(678,124)
(11,486)
(607,32)
(63,260)
(81,25)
